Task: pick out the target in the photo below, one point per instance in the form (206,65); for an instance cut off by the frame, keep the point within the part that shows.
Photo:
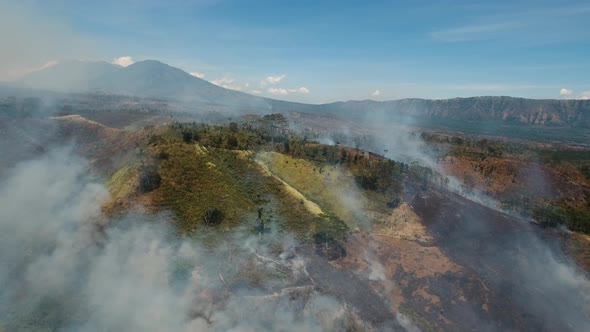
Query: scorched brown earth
(433,260)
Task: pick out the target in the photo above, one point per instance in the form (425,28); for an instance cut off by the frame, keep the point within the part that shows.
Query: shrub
(212,217)
(149,179)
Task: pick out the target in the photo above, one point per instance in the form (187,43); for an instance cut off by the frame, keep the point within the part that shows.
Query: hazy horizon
(319,53)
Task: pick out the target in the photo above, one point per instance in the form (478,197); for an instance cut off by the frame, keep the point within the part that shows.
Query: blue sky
(321,51)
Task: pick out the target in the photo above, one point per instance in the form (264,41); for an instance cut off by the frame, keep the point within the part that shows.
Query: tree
(149,178)
(260,220)
(274,124)
(187,136)
(213,216)
(232,142)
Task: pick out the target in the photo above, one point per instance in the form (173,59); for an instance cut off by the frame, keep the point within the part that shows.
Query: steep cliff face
(546,112)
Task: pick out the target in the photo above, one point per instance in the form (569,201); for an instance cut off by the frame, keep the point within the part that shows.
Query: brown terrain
(438,259)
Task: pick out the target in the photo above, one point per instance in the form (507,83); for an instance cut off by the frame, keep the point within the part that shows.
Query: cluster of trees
(475,147)
(271,132)
(386,177)
(226,137)
(330,236)
(575,219)
(521,199)
(21,107)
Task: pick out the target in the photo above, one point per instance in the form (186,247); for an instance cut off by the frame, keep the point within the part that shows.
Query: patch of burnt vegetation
(327,246)
(213,217)
(367,181)
(330,236)
(149,178)
(392,204)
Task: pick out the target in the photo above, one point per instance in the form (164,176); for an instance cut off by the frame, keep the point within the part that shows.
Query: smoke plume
(62,269)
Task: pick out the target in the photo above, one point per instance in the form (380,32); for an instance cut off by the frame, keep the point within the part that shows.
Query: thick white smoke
(61,270)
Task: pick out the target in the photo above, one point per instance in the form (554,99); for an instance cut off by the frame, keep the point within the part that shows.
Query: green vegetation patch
(329,186)
(576,219)
(198,182)
(122,185)
(214,187)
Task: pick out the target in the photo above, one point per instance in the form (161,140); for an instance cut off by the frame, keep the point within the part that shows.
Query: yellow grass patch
(309,205)
(329,186)
(404,224)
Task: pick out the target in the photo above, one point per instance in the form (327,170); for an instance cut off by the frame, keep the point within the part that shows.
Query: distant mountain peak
(149,63)
(147,78)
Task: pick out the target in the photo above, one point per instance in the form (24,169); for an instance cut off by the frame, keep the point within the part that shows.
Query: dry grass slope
(342,199)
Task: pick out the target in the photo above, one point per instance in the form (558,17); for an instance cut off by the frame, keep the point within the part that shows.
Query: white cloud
(565,92)
(223,81)
(197,74)
(376,93)
(299,90)
(571,94)
(123,61)
(273,79)
(303,90)
(228,83)
(278,91)
(284,92)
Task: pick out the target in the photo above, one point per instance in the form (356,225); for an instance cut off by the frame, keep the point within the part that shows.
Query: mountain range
(231,212)
(154,79)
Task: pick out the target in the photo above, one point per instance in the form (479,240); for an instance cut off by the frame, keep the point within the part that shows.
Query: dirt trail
(309,205)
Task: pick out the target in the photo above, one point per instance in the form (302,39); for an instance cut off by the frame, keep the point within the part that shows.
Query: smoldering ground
(528,281)
(59,272)
(526,269)
(397,139)
(533,284)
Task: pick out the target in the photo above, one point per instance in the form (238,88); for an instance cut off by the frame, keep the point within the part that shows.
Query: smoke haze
(60,270)
(32,40)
